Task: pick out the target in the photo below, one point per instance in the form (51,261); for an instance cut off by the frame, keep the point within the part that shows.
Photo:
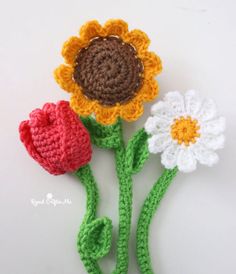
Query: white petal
(192,102)
(186,161)
(204,155)
(157,143)
(176,101)
(215,126)
(169,156)
(163,110)
(208,110)
(213,142)
(156,124)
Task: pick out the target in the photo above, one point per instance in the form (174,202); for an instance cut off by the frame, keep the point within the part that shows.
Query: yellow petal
(149,90)
(64,77)
(116,27)
(71,48)
(106,115)
(91,30)
(138,39)
(152,64)
(131,111)
(81,105)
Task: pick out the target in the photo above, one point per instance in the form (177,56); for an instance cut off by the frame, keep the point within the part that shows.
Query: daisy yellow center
(185,130)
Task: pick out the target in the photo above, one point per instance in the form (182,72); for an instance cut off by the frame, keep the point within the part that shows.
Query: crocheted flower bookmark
(57,139)
(184,129)
(109,73)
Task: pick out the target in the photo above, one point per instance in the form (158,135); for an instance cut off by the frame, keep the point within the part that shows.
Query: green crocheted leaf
(103,136)
(137,151)
(94,240)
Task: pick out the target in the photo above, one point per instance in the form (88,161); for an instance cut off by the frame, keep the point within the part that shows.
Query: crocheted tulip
(55,137)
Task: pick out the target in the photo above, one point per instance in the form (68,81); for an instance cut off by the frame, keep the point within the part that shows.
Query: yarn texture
(147,212)
(129,160)
(109,74)
(55,137)
(185,129)
(103,67)
(109,71)
(94,239)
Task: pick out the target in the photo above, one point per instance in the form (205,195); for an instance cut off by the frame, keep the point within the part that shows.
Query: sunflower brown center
(109,71)
(185,130)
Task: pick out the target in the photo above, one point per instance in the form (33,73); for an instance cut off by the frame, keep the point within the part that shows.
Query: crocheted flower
(185,129)
(109,71)
(56,138)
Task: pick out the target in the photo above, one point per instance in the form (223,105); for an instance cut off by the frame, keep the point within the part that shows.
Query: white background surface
(194,231)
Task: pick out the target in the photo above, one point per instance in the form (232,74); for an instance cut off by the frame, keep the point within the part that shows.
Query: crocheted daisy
(109,71)
(185,129)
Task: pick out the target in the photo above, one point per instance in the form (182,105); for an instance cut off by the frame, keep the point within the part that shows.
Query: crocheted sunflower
(109,71)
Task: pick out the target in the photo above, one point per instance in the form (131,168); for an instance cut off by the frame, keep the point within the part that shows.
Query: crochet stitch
(147,212)
(185,129)
(129,160)
(94,239)
(109,71)
(55,137)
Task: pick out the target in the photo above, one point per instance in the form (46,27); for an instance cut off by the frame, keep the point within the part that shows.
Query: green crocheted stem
(125,211)
(148,210)
(129,160)
(86,177)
